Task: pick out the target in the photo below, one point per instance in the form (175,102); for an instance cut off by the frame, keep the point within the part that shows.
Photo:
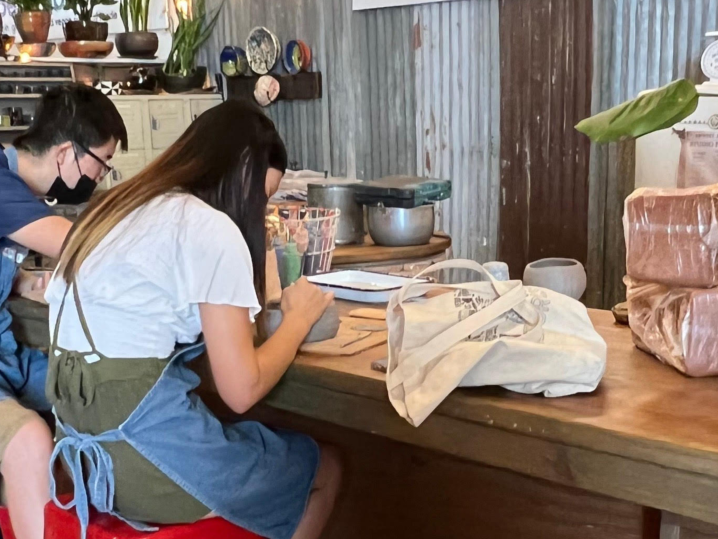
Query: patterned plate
(263,50)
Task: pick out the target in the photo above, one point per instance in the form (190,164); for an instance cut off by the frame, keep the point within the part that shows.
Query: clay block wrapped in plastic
(672,236)
(677,325)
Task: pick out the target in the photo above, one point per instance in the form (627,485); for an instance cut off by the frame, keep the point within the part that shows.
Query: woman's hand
(32,285)
(304,303)
(243,374)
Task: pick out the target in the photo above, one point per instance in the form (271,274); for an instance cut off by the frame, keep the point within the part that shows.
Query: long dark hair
(222,159)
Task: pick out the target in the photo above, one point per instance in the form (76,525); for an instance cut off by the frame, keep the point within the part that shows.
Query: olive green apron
(97,397)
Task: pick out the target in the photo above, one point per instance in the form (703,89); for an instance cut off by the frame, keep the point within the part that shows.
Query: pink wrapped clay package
(677,325)
(672,236)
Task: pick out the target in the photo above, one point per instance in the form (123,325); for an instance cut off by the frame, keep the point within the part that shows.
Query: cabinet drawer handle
(155,124)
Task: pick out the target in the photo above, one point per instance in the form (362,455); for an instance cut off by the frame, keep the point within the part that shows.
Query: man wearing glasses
(61,158)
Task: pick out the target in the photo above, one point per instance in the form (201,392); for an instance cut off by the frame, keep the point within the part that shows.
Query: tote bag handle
(441,343)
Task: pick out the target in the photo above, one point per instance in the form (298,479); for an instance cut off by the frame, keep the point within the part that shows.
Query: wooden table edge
(564,460)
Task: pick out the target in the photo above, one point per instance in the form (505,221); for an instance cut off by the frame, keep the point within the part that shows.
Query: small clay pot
(86,31)
(326,328)
(33,26)
(176,84)
(142,45)
(563,275)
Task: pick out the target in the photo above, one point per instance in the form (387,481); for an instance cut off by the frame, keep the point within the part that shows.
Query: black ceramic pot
(137,44)
(86,31)
(176,84)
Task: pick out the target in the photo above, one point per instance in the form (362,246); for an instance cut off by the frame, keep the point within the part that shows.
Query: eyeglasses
(106,167)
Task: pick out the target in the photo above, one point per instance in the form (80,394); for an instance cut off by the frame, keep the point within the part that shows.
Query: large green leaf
(650,112)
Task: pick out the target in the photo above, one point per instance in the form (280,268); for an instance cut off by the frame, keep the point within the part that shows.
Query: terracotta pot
(176,84)
(86,31)
(137,44)
(563,275)
(33,26)
(86,49)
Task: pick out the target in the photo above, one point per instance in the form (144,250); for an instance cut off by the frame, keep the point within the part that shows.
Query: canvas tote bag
(486,332)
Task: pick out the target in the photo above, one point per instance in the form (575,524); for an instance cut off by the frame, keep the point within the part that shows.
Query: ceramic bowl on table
(563,275)
(326,327)
(400,227)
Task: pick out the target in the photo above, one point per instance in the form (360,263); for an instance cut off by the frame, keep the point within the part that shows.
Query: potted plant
(32,19)
(85,29)
(189,32)
(136,41)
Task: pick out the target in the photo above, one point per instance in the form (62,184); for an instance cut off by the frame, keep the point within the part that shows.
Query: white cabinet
(153,123)
(127,165)
(167,122)
(131,112)
(198,106)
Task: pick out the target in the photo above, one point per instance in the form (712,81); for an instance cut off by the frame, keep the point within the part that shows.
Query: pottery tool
(369,314)
(380,365)
(362,324)
(345,337)
(348,342)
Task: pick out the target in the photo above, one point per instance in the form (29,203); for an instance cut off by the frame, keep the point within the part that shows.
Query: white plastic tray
(361,286)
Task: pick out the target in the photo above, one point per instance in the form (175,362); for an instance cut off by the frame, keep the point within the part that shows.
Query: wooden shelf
(20,96)
(34,79)
(371,253)
(13,128)
(302,86)
(109,61)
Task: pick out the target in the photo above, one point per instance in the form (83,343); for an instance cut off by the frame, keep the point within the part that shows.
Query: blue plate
(233,61)
(228,60)
(293,57)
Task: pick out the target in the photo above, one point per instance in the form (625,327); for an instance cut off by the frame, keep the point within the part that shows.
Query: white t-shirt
(140,288)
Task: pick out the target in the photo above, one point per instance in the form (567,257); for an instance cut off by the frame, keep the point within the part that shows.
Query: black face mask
(79,195)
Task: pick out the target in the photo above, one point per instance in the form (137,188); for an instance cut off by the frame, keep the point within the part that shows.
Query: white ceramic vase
(563,275)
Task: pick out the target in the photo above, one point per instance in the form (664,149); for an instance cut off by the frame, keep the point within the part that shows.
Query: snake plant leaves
(647,113)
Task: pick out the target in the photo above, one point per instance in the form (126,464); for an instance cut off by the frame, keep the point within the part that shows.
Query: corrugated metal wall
(457,123)
(406,90)
(638,44)
(417,90)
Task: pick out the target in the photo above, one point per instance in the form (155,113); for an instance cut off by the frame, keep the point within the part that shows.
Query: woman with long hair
(158,270)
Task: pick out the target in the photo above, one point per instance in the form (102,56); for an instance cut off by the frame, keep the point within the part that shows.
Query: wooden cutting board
(349,341)
(371,314)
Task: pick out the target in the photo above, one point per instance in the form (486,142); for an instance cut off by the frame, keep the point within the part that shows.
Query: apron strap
(99,490)
(56,331)
(83,320)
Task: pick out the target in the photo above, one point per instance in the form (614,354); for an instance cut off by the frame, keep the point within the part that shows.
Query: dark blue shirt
(18,205)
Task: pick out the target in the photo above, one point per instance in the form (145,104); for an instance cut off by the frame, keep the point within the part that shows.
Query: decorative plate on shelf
(293,57)
(306,55)
(263,50)
(709,61)
(266,90)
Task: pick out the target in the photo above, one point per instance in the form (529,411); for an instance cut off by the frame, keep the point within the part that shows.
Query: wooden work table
(648,435)
(607,465)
